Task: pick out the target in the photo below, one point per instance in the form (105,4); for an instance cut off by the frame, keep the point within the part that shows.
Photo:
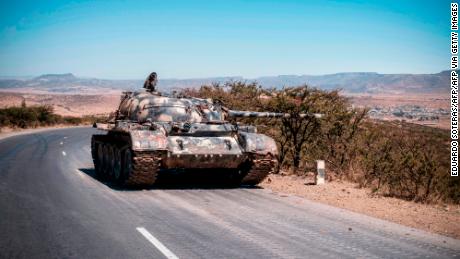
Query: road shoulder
(441,219)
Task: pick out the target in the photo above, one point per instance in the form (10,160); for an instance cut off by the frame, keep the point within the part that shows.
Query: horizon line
(209,77)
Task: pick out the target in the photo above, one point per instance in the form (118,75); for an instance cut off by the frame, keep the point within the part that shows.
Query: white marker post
(320,172)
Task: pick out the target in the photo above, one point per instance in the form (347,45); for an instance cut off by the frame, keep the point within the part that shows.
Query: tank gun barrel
(251,114)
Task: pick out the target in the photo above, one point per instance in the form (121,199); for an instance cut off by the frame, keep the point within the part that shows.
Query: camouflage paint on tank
(192,132)
(151,132)
(258,144)
(151,105)
(203,145)
(148,140)
(142,106)
(203,161)
(203,152)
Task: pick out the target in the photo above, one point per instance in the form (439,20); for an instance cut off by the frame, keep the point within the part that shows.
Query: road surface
(51,206)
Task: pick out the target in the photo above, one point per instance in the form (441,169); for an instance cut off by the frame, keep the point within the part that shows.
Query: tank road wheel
(105,161)
(117,170)
(127,163)
(99,165)
(94,146)
(110,162)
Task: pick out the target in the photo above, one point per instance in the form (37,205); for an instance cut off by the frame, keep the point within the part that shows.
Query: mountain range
(355,82)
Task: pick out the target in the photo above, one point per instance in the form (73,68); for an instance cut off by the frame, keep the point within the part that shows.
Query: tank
(152,132)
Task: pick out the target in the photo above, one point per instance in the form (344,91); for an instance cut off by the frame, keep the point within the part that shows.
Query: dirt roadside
(442,219)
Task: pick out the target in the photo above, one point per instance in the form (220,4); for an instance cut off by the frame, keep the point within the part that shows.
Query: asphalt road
(51,206)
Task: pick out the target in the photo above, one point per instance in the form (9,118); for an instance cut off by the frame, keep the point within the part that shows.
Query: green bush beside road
(38,116)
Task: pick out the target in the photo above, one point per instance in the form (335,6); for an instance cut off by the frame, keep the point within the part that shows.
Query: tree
(296,130)
(339,131)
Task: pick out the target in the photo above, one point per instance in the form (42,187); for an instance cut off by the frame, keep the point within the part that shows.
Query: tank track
(145,167)
(258,171)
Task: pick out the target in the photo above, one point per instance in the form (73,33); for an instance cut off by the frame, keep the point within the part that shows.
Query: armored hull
(152,133)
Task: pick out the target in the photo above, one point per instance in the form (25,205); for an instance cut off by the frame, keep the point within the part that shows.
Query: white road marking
(163,249)
(62,143)
(63,153)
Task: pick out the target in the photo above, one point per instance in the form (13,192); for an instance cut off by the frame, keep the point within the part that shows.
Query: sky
(193,39)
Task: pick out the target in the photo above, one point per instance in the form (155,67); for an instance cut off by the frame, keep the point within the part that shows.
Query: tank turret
(152,132)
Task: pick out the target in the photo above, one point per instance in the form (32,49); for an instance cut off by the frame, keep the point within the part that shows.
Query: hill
(367,82)
(361,82)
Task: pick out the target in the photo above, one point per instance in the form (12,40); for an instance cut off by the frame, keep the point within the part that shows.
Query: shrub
(35,116)
(397,159)
(407,161)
